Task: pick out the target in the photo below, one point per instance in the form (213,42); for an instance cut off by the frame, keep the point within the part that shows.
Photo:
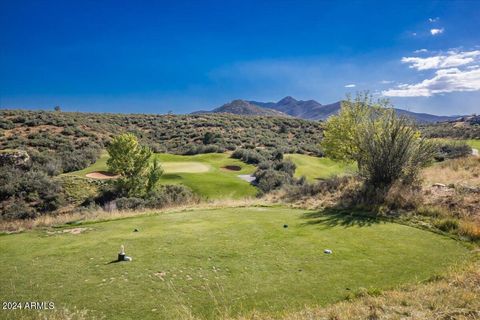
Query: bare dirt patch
(232,168)
(101,175)
(71,231)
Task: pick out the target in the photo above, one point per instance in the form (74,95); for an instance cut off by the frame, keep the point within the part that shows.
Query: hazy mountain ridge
(307,109)
(242,107)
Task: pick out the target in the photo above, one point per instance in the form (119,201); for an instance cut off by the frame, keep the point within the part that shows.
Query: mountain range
(305,109)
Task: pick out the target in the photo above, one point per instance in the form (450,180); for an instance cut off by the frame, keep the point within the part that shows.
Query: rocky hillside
(307,109)
(246,108)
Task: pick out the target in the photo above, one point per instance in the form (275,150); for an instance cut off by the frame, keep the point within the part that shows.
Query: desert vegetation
(386,193)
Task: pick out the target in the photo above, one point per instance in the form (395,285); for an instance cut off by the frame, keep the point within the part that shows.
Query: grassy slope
(314,168)
(474,143)
(217,183)
(217,262)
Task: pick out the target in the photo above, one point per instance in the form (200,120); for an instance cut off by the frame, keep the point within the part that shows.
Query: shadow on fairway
(171,176)
(332,217)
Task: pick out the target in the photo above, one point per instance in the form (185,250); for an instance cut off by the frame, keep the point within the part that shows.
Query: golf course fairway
(205,174)
(212,263)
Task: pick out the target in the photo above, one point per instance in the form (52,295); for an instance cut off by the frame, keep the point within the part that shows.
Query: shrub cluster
(165,195)
(27,192)
(179,134)
(451,150)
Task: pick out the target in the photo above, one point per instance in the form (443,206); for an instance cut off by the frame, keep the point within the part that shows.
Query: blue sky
(181,56)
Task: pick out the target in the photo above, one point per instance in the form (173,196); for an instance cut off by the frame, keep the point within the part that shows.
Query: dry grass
(460,171)
(460,197)
(336,192)
(102,215)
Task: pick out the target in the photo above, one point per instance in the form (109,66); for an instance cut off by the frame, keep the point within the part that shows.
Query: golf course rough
(214,263)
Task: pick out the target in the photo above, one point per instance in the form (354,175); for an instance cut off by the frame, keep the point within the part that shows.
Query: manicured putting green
(205,174)
(187,167)
(315,168)
(216,263)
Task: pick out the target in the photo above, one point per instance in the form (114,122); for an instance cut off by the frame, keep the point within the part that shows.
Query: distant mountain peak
(242,107)
(309,109)
(287,100)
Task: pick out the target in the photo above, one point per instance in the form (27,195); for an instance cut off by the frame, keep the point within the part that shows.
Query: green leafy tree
(386,147)
(131,161)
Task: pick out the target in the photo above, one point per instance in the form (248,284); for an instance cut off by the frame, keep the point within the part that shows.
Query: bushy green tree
(386,147)
(131,161)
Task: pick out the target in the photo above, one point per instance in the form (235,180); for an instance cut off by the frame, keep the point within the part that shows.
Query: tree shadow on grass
(333,217)
(171,176)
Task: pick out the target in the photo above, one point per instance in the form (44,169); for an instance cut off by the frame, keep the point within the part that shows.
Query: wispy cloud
(350,85)
(448,60)
(454,72)
(436,31)
(420,51)
(386,81)
(433,19)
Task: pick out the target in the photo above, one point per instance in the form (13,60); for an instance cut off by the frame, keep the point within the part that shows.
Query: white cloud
(386,81)
(448,60)
(350,85)
(444,81)
(454,71)
(433,19)
(420,51)
(436,31)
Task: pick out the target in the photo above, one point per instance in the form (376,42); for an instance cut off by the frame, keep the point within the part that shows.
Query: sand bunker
(185,167)
(232,168)
(101,175)
(247,177)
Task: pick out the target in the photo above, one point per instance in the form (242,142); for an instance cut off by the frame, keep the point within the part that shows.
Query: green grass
(474,143)
(212,263)
(314,168)
(99,165)
(216,183)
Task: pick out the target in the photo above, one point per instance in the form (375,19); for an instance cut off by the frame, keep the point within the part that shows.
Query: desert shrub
(210,137)
(78,159)
(199,149)
(168,195)
(470,229)
(432,211)
(163,196)
(447,224)
(386,147)
(401,196)
(9,181)
(129,203)
(452,150)
(303,189)
(25,193)
(268,180)
(248,156)
(17,209)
